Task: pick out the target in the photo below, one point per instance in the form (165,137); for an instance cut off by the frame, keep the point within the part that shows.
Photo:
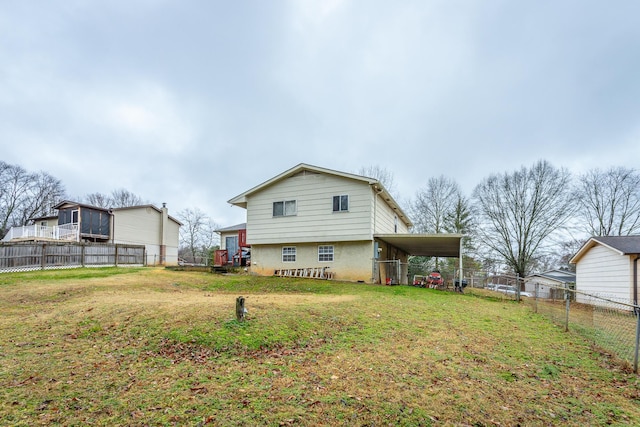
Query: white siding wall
(352,260)
(315,220)
(604,272)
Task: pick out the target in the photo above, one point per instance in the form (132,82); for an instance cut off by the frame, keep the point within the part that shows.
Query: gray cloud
(191,103)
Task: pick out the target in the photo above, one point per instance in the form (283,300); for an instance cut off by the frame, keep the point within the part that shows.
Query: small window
(341,203)
(286,208)
(289,254)
(325,253)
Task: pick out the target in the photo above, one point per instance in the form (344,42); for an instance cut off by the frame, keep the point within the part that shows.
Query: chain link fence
(610,323)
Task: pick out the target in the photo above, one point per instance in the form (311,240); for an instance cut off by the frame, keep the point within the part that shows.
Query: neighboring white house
(310,217)
(549,282)
(137,225)
(608,266)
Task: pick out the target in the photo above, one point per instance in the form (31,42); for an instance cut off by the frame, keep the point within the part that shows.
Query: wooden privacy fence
(50,255)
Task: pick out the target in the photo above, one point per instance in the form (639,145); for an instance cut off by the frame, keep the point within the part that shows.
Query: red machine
(434,280)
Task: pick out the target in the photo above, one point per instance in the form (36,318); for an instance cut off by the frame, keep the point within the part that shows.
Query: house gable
(299,205)
(303,169)
(311,195)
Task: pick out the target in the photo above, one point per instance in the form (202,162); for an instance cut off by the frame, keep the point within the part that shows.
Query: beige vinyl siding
(604,272)
(384,219)
(172,235)
(137,226)
(143,226)
(352,261)
(315,219)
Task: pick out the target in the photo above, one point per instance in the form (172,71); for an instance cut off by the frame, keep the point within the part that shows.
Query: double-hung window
(285,208)
(341,203)
(325,253)
(289,254)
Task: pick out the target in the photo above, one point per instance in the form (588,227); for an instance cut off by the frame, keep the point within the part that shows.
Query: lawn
(159,347)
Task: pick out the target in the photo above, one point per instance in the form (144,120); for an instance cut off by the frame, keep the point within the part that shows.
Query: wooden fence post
(240,310)
(43,260)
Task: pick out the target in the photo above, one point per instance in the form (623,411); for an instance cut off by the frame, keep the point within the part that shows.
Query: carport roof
(440,245)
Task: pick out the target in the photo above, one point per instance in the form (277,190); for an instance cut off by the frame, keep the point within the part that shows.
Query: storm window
(285,208)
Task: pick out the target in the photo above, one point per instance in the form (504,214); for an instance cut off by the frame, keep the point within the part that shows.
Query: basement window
(289,254)
(325,253)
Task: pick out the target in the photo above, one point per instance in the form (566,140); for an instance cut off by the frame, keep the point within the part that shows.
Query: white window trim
(340,196)
(292,252)
(332,253)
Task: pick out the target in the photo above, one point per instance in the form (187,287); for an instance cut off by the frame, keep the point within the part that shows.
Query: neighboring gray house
(608,266)
(310,217)
(136,225)
(548,283)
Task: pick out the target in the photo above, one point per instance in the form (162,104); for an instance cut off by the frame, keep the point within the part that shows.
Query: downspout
(375,257)
(461,274)
(113,226)
(163,232)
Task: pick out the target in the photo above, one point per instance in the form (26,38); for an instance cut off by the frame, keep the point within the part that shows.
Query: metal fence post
(635,354)
(535,297)
(567,298)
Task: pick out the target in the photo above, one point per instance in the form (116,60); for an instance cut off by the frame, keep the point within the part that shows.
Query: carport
(430,245)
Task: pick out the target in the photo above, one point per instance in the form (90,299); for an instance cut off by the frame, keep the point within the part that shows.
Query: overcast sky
(193,102)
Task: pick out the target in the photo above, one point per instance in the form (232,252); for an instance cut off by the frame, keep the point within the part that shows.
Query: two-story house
(135,225)
(311,217)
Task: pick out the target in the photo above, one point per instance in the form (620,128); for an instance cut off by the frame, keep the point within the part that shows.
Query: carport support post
(461,275)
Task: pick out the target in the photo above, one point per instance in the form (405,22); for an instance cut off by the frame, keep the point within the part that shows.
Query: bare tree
(122,198)
(197,234)
(610,201)
(435,205)
(14,181)
(434,208)
(98,199)
(25,195)
(381,174)
(518,212)
(43,192)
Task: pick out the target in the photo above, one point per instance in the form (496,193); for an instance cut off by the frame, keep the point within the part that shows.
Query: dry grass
(159,347)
